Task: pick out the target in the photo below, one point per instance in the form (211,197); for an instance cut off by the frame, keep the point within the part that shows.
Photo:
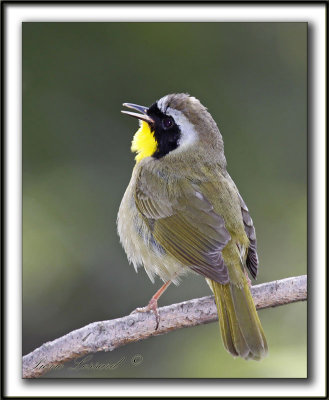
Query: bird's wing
(183,221)
(252,256)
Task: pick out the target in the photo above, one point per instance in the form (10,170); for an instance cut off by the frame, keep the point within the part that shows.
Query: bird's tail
(241,330)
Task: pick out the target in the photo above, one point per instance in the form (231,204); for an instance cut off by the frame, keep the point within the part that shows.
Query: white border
(314,14)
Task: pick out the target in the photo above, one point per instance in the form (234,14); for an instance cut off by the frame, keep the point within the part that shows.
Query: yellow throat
(144,143)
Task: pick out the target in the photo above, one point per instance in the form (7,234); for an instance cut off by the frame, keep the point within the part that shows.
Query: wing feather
(252,256)
(184,223)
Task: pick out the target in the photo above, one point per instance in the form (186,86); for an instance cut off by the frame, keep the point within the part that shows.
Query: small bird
(182,212)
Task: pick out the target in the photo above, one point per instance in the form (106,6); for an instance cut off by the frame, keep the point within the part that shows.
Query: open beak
(141,109)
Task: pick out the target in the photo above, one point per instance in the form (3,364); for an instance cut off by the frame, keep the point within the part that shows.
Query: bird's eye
(167,122)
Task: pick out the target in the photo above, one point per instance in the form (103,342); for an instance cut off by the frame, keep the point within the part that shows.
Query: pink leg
(153,304)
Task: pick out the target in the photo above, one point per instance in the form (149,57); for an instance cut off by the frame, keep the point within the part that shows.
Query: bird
(182,212)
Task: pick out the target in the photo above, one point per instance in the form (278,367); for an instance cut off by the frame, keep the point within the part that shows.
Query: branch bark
(109,335)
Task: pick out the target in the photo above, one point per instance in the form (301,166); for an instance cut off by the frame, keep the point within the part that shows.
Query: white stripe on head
(162,104)
(189,135)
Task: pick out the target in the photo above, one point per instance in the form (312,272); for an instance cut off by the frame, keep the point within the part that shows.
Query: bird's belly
(140,245)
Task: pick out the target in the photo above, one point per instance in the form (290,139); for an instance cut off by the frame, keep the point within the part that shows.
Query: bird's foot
(152,306)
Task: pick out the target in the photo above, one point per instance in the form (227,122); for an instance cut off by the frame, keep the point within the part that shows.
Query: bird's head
(175,126)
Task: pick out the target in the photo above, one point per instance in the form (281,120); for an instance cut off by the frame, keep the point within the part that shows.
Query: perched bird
(182,212)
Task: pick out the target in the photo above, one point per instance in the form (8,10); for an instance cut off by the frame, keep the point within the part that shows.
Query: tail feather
(224,323)
(241,329)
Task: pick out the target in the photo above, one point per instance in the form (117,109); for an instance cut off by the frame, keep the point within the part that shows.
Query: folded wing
(184,223)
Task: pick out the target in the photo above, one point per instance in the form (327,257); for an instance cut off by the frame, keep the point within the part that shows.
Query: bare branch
(109,335)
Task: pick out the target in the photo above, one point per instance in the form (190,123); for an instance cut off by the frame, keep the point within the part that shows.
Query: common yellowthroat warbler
(182,212)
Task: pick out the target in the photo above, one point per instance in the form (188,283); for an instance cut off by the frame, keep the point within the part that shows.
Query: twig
(109,335)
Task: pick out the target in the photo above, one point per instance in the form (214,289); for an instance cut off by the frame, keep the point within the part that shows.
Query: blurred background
(77,164)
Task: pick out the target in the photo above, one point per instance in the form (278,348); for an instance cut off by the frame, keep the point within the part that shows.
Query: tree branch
(109,335)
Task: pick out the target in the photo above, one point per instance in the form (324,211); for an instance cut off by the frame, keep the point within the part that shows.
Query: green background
(77,164)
